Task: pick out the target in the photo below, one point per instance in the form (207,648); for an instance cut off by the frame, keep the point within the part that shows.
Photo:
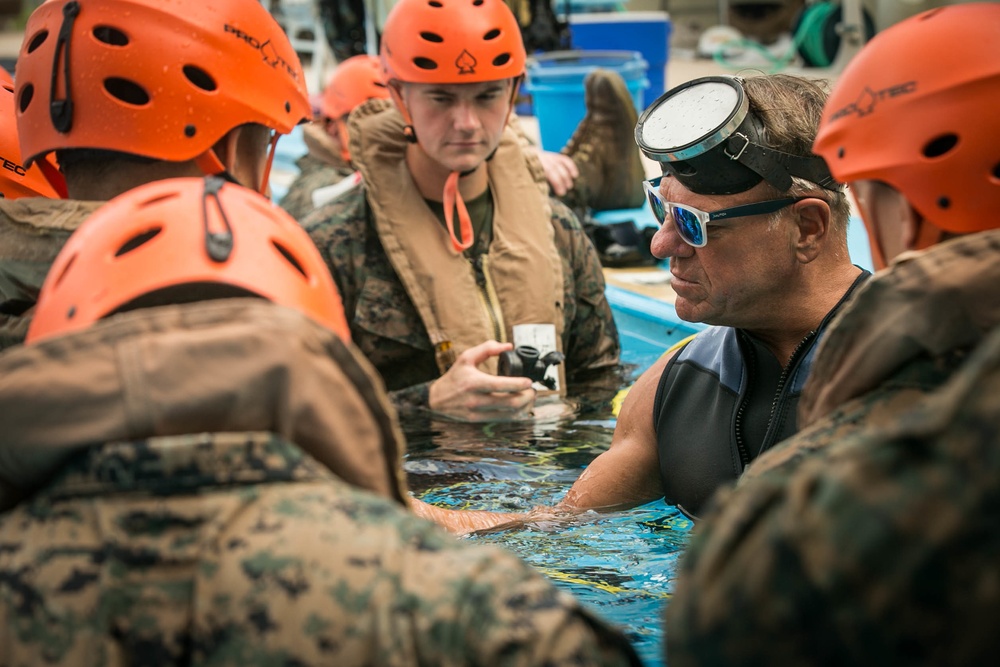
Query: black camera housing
(527,361)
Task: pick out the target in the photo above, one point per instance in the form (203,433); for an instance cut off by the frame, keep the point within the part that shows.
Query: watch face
(693,116)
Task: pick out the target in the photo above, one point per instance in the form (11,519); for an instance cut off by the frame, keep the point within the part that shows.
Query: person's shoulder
(348,209)
(563,218)
(48,215)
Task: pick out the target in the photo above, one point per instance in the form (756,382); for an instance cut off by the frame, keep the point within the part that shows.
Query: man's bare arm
(628,474)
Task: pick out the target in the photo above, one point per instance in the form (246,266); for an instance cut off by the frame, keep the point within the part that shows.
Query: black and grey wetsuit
(721,401)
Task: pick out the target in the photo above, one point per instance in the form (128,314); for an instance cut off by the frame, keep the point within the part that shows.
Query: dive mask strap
(778,167)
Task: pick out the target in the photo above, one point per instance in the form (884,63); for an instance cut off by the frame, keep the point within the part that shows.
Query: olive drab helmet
(917,109)
(165,79)
(354,81)
(184,234)
(16,180)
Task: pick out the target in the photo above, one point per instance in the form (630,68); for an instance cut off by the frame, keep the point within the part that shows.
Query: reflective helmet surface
(164,79)
(184,234)
(451,41)
(917,109)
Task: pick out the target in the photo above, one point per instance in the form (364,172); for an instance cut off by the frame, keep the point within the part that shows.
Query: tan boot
(603,148)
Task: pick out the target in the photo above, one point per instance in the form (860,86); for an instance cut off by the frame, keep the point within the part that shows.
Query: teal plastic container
(555,82)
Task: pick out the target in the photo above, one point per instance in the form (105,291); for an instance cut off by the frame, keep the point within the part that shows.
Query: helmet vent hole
(137,241)
(478,3)
(65,271)
(27,93)
(492,34)
(110,36)
(501,60)
(37,41)
(432,37)
(200,78)
(938,146)
(435,3)
(126,91)
(425,63)
(996,171)
(287,254)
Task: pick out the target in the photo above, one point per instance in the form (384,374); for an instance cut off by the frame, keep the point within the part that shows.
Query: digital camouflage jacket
(32,232)
(199,534)
(869,538)
(388,327)
(320,167)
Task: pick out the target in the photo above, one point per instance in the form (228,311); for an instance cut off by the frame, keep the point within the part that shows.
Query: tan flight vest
(523,264)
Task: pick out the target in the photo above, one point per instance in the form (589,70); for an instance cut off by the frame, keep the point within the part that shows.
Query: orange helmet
(6,79)
(451,41)
(184,232)
(354,81)
(917,109)
(160,79)
(16,180)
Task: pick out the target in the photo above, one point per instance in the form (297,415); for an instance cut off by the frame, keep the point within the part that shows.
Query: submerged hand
(468,394)
(464,522)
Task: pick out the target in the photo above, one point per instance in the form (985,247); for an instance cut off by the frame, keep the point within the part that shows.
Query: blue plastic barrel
(555,82)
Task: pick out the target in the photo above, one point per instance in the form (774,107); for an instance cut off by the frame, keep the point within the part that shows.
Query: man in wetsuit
(755,229)
(869,538)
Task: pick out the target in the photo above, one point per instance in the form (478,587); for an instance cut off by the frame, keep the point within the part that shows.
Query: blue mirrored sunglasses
(692,223)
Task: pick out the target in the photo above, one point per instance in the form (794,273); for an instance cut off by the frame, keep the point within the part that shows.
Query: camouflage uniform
(870,536)
(32,232)
(346,237)
(390,329)
(231,545)
(320,167)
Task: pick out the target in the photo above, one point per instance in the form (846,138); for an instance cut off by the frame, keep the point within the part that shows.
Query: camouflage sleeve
(413,397)
(25,259)
(338,230)
(353,579)
(590,336)
(298,201)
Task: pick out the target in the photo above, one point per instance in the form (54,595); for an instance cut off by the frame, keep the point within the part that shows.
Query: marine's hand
(469,394)
(463,522)
(560,171)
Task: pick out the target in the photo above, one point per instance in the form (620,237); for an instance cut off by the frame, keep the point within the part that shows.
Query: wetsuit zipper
(488,297)
(786,372)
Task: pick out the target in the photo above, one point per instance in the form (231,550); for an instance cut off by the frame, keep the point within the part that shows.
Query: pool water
(619,564)
(622,564)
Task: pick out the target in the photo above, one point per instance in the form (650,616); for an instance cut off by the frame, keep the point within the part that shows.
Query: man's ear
(812,217)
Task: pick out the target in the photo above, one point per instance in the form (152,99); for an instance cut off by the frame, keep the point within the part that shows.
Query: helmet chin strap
(211,165)
(53,176)
(453,200)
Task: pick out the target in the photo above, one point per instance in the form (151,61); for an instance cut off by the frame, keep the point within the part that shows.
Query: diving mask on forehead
(703,133)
